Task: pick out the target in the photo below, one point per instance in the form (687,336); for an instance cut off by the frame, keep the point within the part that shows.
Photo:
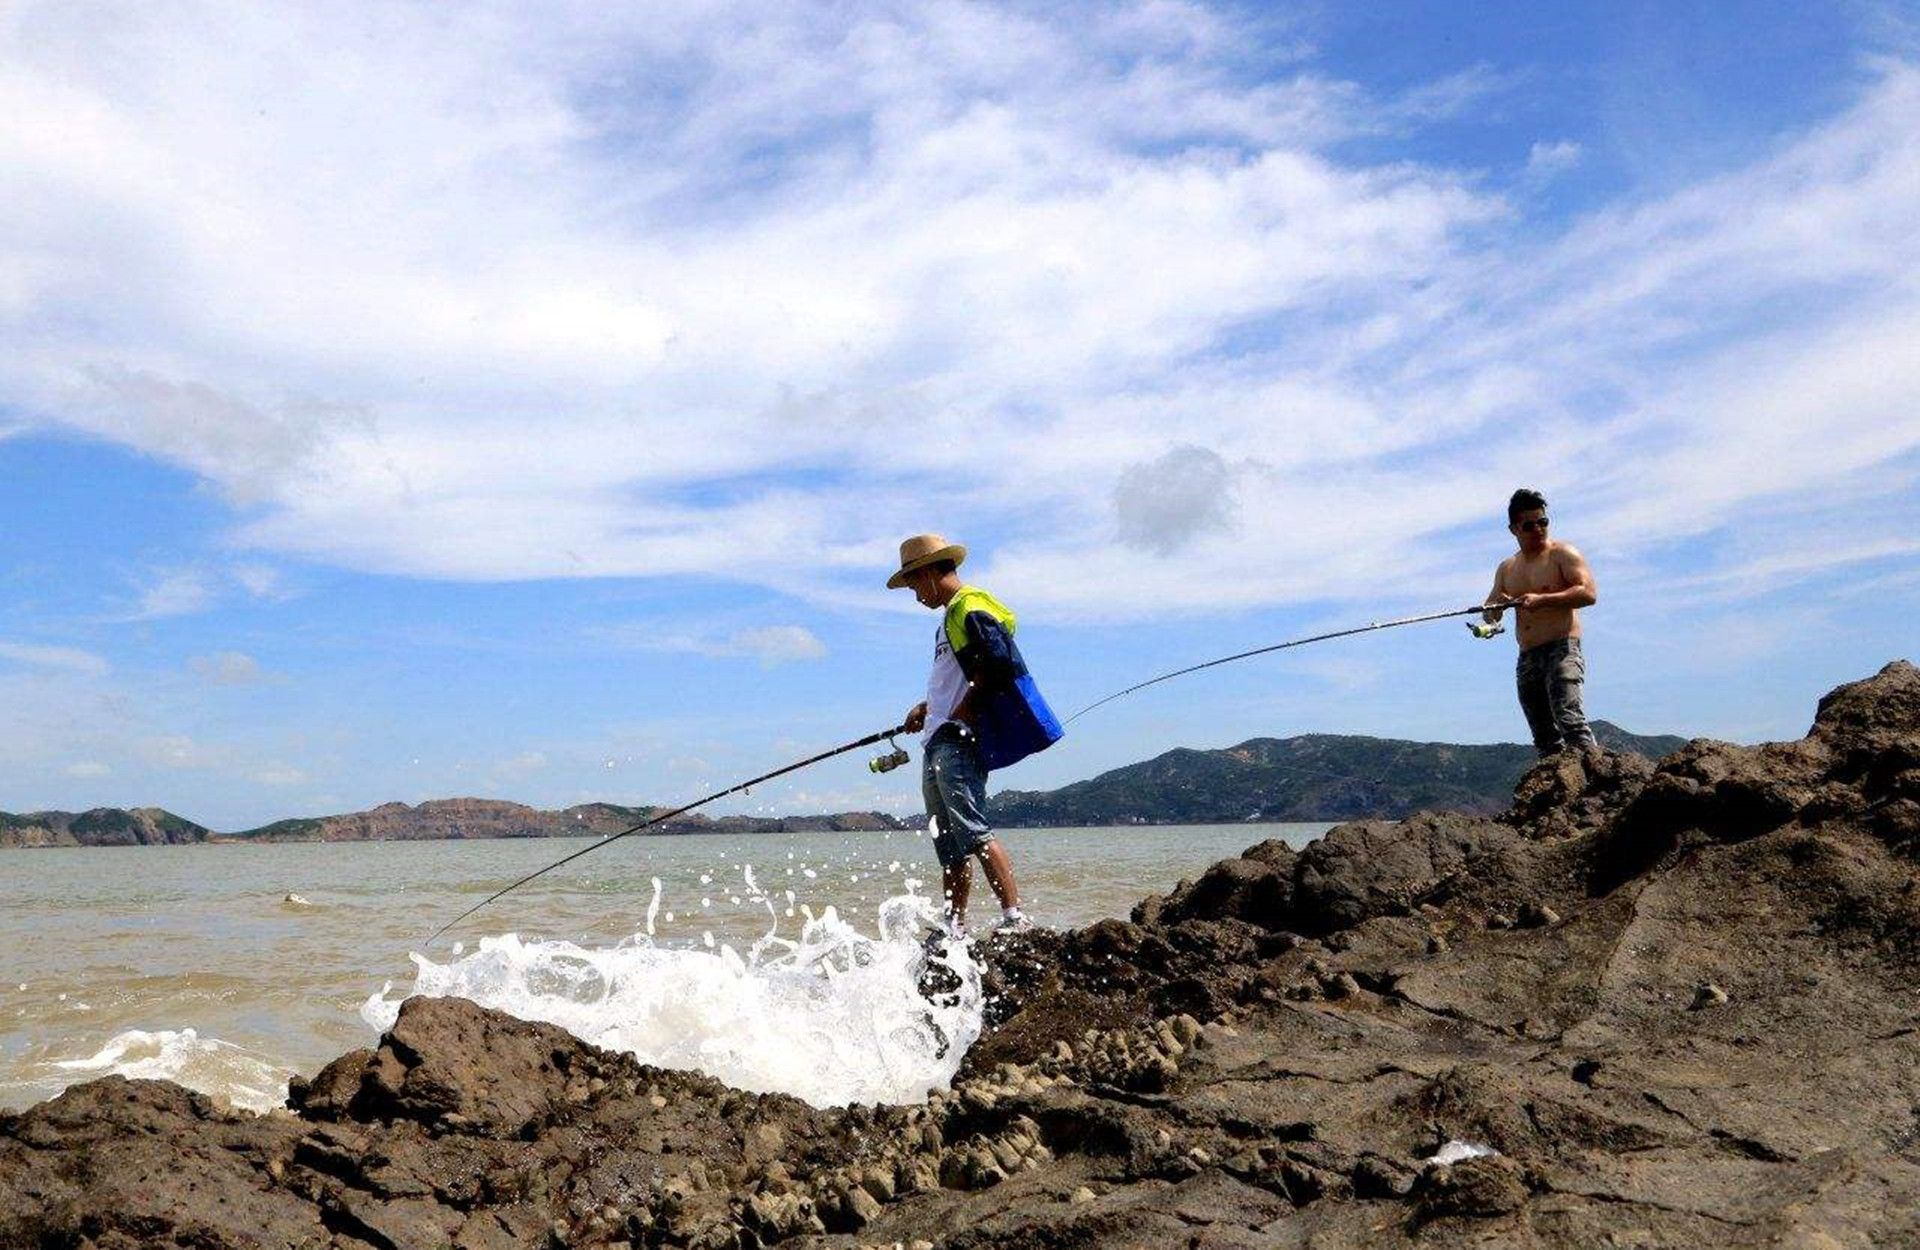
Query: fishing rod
(885,763)
(1297,642)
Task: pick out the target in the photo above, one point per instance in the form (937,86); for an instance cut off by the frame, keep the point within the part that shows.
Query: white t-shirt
(946,685)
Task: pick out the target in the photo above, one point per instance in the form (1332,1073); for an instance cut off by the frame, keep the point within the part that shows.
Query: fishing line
(896,757)
(1282,646)
(869,740)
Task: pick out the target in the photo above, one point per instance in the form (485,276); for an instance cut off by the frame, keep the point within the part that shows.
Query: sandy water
(192,963)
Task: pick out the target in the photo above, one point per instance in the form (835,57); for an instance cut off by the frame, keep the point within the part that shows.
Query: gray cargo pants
(1550,678)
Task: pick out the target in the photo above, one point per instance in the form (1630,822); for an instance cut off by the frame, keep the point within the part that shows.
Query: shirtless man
(1545,581)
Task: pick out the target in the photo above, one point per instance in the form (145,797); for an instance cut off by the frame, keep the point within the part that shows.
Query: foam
(835,1017)
(219,1069)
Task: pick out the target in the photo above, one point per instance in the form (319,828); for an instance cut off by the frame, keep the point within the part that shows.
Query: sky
(527,401)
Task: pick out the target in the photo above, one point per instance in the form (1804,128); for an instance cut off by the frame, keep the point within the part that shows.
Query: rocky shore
(1674,1005)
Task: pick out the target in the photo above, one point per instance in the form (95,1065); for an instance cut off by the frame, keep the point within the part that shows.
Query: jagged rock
(1483,1187)
(444,1064)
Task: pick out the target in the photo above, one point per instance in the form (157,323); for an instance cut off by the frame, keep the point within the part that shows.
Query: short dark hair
(1524,500)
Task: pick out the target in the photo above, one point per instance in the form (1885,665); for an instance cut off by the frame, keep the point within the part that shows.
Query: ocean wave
(834,1017)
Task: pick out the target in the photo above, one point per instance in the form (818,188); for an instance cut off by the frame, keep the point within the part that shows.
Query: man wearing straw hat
(982,712)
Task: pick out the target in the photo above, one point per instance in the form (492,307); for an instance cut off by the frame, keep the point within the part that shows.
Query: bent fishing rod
(896,757)
(1282,646)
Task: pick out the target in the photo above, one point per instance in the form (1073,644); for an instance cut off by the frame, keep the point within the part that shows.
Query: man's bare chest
(1535,577)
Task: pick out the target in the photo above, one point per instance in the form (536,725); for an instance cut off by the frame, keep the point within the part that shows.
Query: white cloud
(521,766)
(279,774)
(72,659)
(770,644)
(261,581)
(183,752)
(227,668)
(87,769)
(596,292)
(180,592)
(1548,160)
(774,644)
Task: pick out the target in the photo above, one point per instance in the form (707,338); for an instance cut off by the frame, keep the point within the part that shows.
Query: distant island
(1311,777)
(402,822)
(1305,778)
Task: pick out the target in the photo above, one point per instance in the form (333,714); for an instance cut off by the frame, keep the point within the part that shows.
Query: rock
(1375,1177)
(1479,1188)
(1538,916)
(444,1057)
(1340,985)
(861,1208)
(1708,995)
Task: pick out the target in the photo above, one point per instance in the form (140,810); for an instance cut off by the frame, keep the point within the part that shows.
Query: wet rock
(445,1063)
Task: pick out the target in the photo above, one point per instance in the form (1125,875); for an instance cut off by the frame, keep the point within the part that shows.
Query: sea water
(786,962)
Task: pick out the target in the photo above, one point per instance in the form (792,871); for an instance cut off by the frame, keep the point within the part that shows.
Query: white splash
(834,1018)
(1457,1151)
(220,1069)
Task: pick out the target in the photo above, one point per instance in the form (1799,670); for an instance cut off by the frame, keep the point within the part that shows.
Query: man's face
(1531,529)
(922,582)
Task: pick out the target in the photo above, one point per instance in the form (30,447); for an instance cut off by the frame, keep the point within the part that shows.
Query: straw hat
(920,551)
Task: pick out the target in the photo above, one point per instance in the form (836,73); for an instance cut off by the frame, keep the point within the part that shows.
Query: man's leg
(953,781)
(956,873)
(999,870)
(956,882)
(1530,678)
(1566,686)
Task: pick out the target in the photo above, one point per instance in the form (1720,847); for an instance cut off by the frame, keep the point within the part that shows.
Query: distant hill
(1310,777)
(399,822)
(102,826)
(496,818)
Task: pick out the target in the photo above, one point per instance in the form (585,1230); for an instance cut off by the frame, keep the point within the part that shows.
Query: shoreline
(905,827)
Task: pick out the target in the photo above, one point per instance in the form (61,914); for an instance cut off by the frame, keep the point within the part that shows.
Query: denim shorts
(954,785)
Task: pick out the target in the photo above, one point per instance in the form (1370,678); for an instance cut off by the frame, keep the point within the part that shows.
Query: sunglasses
(1530,526)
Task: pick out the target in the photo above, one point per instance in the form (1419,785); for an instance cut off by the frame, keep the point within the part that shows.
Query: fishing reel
(891,760)
(1485,629)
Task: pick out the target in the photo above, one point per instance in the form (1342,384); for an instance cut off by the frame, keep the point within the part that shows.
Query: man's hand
(1528,600)
(916,718)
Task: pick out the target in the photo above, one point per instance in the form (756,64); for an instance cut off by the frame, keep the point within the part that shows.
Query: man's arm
(1582,591)
(1496,598)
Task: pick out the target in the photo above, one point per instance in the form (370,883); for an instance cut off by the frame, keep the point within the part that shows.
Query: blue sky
(401,402)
